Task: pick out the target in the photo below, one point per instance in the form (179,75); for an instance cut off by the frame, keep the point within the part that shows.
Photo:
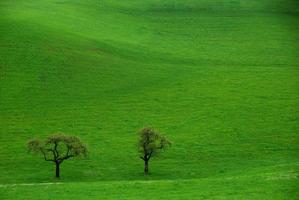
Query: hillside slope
(219,78)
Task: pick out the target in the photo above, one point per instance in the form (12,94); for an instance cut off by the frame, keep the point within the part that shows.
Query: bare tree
(150,143)
(57,148)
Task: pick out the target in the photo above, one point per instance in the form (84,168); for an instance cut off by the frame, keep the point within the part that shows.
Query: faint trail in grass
(279,175)
(27,184)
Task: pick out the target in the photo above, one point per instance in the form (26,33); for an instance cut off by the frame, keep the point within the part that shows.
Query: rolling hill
(219,78)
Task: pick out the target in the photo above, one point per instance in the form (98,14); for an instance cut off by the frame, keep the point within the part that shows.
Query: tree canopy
(57,148)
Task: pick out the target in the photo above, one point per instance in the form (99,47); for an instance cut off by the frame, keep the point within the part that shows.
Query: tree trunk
(57,170)
(146,167)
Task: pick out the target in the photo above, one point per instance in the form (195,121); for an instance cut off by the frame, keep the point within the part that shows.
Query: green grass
(274,187)
(219,78)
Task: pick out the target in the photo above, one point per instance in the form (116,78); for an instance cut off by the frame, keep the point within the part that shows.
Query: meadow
(219,78)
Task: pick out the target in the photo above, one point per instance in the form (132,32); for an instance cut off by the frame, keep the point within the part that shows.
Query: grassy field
(219,78)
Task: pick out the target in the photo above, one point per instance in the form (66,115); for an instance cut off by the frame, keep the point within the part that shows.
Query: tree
(57,148)
(150,143)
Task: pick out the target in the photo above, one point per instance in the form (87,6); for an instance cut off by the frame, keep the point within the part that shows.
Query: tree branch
(66,157)
(56,151)
(142,158)
(45,157)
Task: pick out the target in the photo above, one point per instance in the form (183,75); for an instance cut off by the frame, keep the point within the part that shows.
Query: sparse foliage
(150,143)
(57,148)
